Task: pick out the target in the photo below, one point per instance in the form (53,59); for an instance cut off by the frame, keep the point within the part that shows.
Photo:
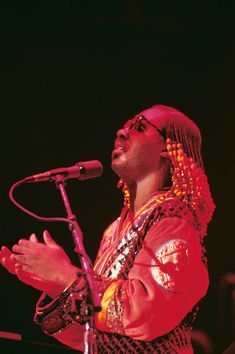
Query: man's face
(137,147)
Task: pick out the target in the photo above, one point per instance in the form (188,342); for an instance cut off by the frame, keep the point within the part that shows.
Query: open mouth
(118,150)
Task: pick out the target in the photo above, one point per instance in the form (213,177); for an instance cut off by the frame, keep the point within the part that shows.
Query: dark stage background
(71,72)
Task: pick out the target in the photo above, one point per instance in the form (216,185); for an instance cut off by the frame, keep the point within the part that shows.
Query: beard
(131,169)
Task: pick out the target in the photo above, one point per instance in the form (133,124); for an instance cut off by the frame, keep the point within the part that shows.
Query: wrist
(53,316)
(63,281)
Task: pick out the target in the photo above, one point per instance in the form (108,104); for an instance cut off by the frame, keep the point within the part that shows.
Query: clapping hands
(42,265)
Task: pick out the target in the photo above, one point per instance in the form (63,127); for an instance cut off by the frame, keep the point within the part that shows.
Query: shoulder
(172,209)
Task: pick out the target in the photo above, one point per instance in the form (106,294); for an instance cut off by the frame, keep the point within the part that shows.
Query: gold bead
(169,147)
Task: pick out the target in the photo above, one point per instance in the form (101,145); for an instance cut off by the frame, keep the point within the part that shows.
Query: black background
(71,73)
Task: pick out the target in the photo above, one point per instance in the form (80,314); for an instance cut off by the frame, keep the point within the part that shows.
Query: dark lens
(133,124)
(137,124)
(140,127)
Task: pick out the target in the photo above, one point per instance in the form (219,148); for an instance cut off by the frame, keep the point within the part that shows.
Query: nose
(123,133)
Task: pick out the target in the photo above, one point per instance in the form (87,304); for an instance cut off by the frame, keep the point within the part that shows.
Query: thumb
(49,240)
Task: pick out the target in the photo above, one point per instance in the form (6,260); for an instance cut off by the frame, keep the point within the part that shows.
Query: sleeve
(168,278)
(72,336)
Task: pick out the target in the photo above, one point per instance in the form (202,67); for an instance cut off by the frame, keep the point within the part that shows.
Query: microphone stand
(94,300)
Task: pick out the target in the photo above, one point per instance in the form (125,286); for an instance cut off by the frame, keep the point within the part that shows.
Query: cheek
(152,150)
(151,155)
(147,156)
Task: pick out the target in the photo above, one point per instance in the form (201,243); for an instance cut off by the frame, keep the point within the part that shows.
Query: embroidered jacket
(150,275)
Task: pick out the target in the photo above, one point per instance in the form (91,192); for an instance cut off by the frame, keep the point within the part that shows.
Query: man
(150,269)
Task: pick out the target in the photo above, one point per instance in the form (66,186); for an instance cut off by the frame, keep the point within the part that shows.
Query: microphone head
(90,169)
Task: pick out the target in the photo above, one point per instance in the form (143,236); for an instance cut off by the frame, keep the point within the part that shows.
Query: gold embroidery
(114,316)
(172,258)
(113,237)
(110,316)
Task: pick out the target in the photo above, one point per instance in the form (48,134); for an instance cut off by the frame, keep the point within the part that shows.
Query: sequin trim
(115,309)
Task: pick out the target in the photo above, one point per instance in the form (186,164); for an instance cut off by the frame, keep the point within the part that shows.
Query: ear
(164,153)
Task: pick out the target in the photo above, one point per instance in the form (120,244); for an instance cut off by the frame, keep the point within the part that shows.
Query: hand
(43,265)
(6,260)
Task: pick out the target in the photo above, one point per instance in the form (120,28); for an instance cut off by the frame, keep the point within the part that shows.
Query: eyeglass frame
(137,123)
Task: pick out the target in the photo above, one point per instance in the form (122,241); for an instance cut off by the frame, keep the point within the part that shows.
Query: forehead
(153,114)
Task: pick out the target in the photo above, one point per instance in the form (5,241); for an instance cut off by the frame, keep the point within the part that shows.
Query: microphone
(81,170)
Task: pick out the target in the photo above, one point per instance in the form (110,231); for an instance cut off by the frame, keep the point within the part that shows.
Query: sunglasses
(139,123)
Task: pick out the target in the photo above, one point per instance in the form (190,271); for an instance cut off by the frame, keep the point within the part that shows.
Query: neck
(142,190)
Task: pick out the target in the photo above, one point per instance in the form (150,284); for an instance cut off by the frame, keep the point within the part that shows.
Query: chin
(121,169)
(116,165)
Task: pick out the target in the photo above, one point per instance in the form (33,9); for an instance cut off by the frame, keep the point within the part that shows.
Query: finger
(19,259)
(5,251)
(24,242)
(8,264)
(33,238)
(28,246)
(19,267)
(20,249)
(16,248)
(49,240)
(5,254)
(3,261)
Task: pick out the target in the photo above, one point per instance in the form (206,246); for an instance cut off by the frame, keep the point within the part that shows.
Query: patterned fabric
(117,266)
(178,339)
(174,254)
(122,258)
(148,283)
(55,315)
